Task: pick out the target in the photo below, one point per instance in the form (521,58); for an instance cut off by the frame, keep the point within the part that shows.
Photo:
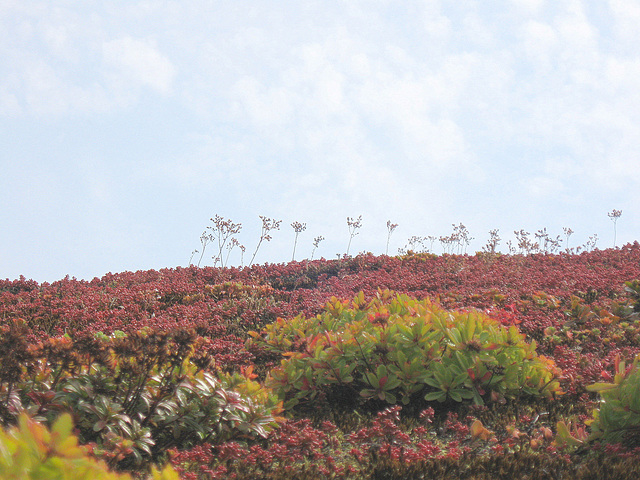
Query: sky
(125,126)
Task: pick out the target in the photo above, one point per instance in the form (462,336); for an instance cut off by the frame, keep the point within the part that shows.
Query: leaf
(126,430)
(477,399)
(470,328)
(564,437)
(455,395)
(390,398)
(99,425)
(479,431)
(434,382)
(392,382)
(367,393)
(454,335)
(460,379)
(63,426)
(401,357)
(439,396)
(167,473)
(600,387)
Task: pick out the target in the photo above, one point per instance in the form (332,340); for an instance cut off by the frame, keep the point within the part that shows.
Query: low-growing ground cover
(162,366)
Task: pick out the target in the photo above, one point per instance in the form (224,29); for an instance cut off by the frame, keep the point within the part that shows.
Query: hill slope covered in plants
(361,367)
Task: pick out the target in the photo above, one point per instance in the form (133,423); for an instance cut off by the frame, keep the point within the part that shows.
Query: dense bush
(617,420)
(133,395)
(117,350)
(398,348)
(31,452)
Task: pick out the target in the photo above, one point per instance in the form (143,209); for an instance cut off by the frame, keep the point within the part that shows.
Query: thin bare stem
(353,225)
(494,241)
(316,242)
(390,228)
(297,227)
(267,225)
(222,229)
(567,233)
(205,239)
(614,216)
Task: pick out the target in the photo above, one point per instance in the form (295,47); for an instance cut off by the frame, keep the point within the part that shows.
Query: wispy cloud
(425,113)
(138,62)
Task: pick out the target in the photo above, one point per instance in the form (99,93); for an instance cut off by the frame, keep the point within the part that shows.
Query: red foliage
(570,304)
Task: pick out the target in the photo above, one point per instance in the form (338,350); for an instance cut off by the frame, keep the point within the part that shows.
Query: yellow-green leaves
(618,418)
(382,383)
(32,452)
(569,435)
(396,347)
(167,473)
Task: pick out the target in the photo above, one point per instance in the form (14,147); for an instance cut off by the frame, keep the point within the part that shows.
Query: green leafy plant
(134,396)
(570,435)
(617,420)
(30,451)
(633,289)
(395,348)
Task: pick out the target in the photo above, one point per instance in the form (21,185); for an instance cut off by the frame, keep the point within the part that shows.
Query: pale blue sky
(126,125)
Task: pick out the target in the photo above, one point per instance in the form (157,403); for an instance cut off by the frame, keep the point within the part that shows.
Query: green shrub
(33,452)
(135,396)
(617,420)
(633,289)
(397,348)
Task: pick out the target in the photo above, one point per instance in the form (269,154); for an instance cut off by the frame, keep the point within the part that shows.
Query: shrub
(134,396)
(618,418)
(633,289)
(396,347)
(31,451)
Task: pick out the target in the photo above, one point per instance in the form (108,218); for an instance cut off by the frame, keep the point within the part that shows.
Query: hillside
(116,353)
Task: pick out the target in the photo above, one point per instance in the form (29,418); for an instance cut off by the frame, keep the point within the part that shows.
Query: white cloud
(623,73)
(436,25)
(477,32)
(43,83)
(9,103)
(264,107)
(578,37)
(540,39)
(41,89)
(530,7)
(626,15)
(47,57)
(364,118)
(425,113)
(140,62)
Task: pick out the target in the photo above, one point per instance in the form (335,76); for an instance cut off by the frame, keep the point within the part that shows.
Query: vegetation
(397,348)
(617,420)
(30,451)
(521,365)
